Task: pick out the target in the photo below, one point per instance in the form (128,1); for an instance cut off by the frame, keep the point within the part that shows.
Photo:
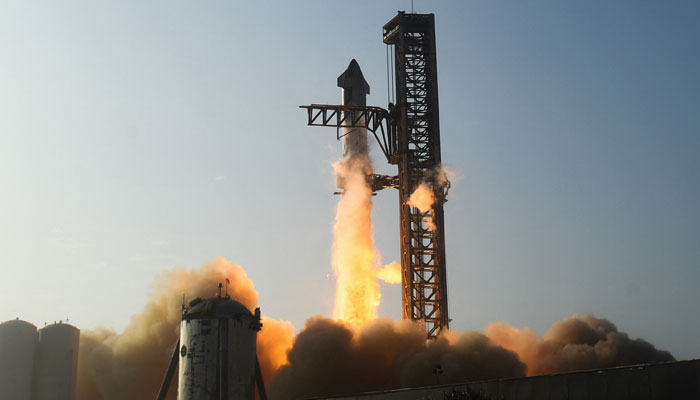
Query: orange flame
(354,256)
(355,260)
(391,273)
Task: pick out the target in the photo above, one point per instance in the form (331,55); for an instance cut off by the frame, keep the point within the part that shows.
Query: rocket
(355,91)
(354,138)
(355,87)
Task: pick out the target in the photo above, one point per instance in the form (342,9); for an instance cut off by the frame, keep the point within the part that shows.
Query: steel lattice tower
(424,281)
(409,136)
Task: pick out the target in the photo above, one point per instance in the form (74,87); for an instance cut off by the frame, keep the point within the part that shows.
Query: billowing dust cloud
(333,357)
(354,258)
(577,343)
(131,365)
(330,357)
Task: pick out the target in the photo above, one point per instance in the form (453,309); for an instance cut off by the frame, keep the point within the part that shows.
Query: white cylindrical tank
(56,364)
(217,351)
(17,350)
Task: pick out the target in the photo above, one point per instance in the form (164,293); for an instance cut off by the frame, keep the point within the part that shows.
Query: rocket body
(354,139)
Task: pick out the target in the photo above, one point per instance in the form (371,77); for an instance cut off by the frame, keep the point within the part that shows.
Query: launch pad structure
(408,133)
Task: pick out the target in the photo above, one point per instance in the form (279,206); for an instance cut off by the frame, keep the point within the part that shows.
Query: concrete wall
(678,380)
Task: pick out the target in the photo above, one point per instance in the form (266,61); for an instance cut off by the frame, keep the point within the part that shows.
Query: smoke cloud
(333,357)
(330,357)
(131,364)
(577,343)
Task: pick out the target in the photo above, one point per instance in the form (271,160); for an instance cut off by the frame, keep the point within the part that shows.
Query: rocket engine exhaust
(355,259)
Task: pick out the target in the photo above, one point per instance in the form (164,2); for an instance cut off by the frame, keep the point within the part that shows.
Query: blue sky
(139,137)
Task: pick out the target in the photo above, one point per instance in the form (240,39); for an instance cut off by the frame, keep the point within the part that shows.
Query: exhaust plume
(354,258)
(131,364)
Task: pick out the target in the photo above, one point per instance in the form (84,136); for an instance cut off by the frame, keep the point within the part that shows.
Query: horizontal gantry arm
(375,119)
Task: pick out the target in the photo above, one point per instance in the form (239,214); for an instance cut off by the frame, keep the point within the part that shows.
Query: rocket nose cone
(352,78)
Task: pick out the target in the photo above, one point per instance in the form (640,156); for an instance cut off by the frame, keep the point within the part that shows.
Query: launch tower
(408,133)
(424,285)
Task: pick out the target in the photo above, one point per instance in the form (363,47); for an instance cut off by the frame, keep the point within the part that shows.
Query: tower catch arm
(375,119)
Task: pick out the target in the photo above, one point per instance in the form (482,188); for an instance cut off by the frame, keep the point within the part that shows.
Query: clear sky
(140,136)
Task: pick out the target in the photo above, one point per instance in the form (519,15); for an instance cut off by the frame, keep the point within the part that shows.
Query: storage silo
(17,349)
(56,364)
(217,350)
